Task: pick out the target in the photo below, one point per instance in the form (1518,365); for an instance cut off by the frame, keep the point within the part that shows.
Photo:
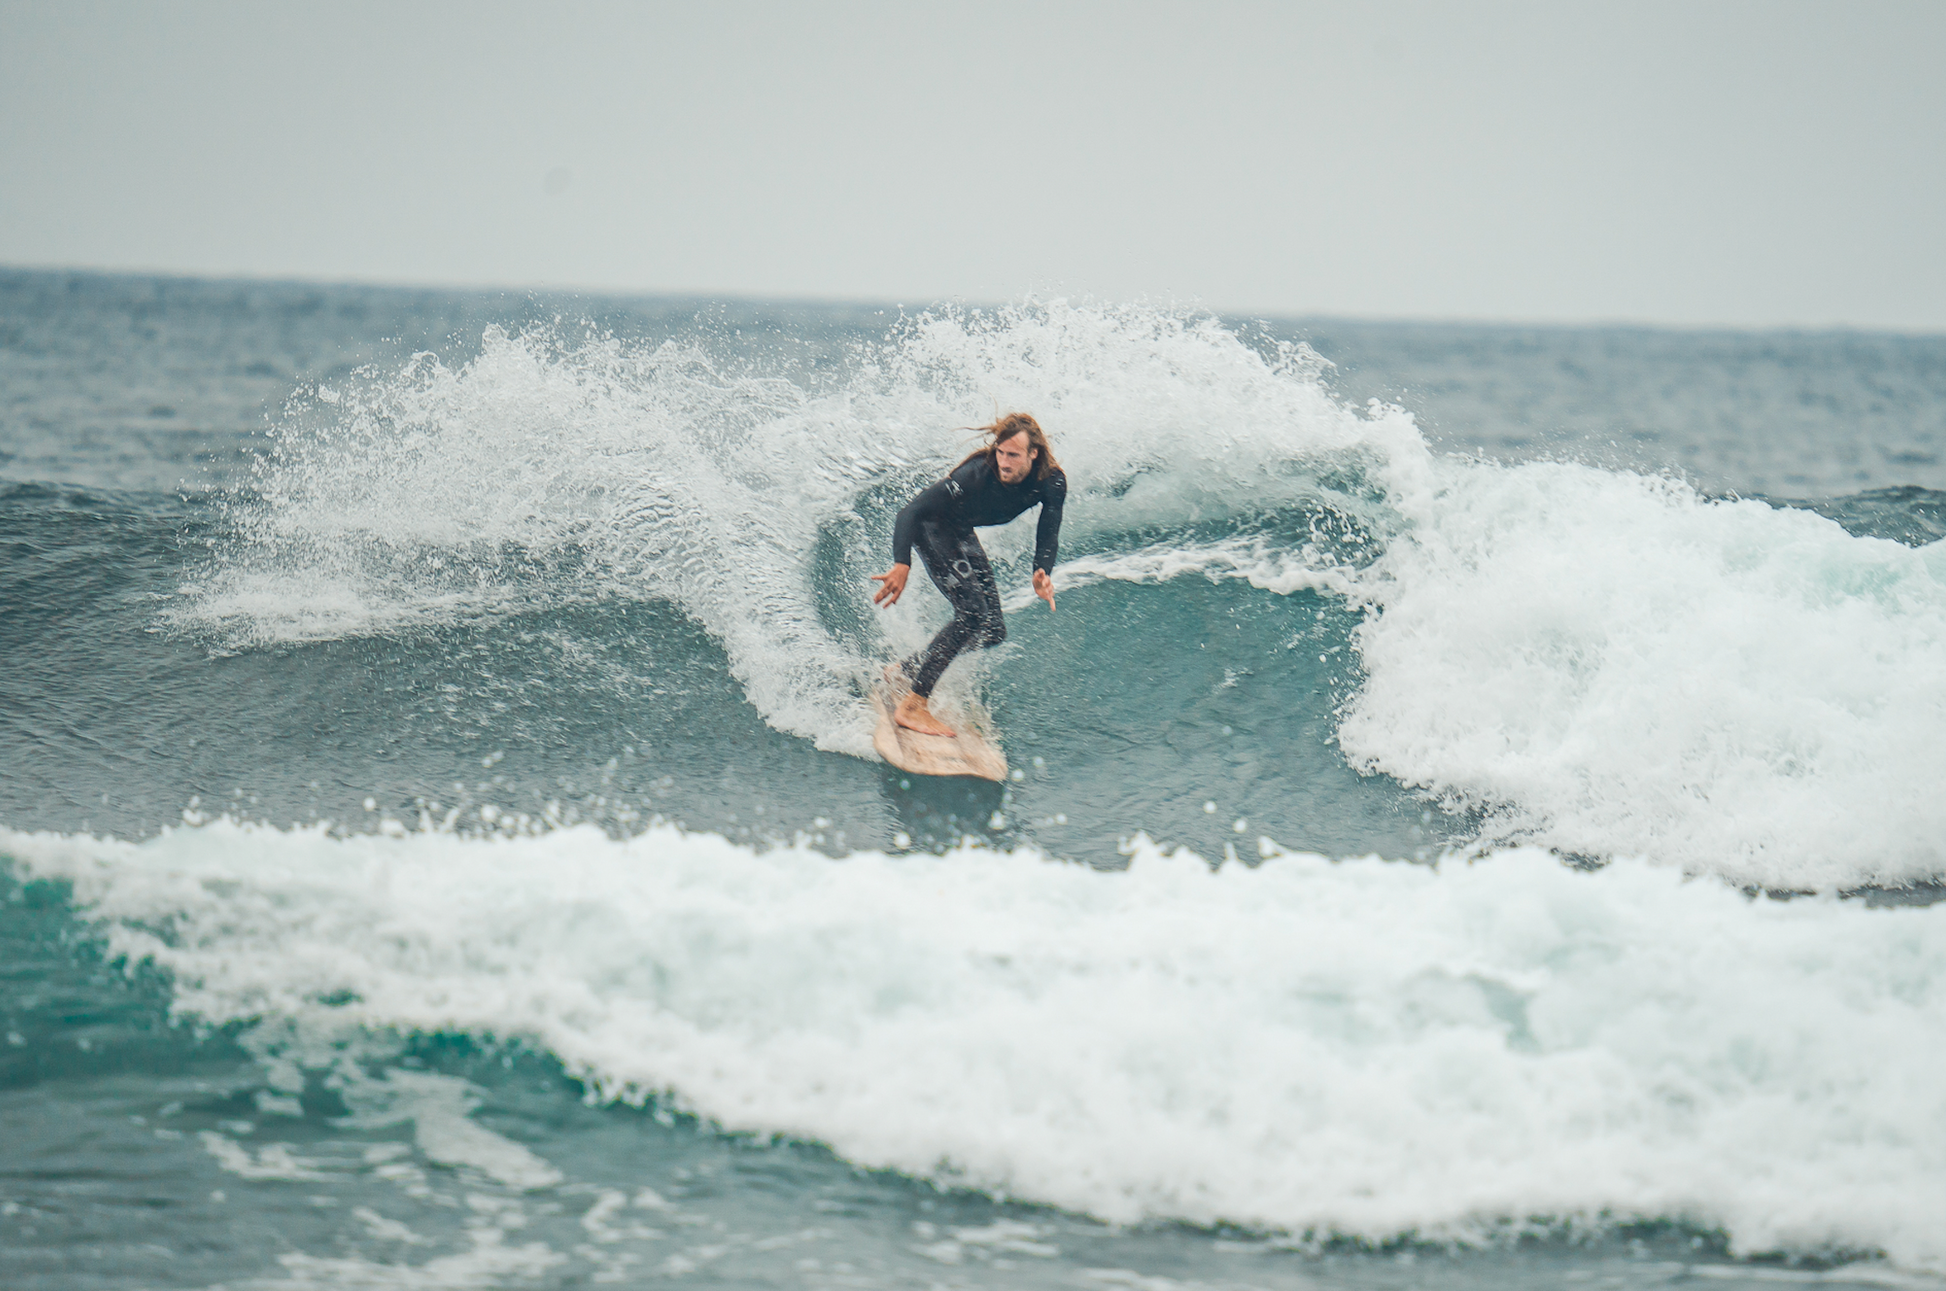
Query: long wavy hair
(1005,428)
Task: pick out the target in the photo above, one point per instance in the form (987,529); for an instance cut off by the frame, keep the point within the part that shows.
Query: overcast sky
(1774,163)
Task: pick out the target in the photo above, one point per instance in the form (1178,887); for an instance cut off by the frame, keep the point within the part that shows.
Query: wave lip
(1357,1048)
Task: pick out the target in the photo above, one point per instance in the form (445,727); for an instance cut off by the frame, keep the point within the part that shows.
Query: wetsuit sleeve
(1047,535)
(931,501)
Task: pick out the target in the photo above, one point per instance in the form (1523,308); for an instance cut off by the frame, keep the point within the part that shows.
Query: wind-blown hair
(1004,429)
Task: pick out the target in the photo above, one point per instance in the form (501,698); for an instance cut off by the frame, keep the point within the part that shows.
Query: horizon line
(921,305)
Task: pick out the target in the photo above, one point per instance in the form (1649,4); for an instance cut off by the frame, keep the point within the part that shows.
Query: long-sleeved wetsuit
(940,522)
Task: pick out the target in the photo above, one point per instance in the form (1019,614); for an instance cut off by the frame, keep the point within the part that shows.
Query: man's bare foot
(914,714)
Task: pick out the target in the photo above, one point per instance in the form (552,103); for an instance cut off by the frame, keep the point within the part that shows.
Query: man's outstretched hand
(1044,588)
(891,585)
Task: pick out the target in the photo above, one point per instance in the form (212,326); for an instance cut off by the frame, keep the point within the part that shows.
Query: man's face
(1014,457)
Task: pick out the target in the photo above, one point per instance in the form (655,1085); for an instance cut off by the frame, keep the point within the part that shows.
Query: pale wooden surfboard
(972,752)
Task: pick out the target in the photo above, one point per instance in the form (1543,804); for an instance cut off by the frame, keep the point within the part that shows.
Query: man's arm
(931,502)
(1047,534)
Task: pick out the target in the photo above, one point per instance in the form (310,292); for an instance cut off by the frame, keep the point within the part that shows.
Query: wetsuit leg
(958,566)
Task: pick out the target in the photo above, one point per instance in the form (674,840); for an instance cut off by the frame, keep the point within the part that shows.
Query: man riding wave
(1015,470)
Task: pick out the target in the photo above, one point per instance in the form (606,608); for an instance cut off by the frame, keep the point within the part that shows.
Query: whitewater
(1421,840)
(1355,1048)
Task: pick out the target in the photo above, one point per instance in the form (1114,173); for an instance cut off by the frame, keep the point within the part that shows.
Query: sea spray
(552,467)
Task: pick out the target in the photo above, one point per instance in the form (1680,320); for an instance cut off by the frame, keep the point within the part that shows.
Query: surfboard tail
(972,752)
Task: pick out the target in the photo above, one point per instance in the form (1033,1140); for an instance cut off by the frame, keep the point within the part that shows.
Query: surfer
(1015,470)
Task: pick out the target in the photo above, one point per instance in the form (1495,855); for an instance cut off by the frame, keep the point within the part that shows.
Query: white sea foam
(1614,664)
(1358,1047)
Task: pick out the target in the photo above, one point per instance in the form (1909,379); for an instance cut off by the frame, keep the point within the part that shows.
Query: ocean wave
(1591,660)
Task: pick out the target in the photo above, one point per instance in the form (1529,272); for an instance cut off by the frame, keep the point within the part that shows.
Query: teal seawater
(420,706)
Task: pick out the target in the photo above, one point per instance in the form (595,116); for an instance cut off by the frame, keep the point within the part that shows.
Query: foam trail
(1358,1047)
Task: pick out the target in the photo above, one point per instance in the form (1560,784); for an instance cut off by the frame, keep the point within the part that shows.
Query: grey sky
(1748,163)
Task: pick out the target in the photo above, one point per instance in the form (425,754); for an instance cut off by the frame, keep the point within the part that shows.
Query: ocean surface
(1477,813)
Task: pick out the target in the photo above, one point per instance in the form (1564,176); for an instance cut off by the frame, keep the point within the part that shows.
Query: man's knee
(993,632)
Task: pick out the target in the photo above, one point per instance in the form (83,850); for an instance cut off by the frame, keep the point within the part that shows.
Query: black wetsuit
(940,523)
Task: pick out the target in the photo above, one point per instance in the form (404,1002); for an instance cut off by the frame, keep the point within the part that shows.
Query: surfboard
(973,752)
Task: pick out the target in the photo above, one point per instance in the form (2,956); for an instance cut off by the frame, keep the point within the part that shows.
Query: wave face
(1355,1048)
